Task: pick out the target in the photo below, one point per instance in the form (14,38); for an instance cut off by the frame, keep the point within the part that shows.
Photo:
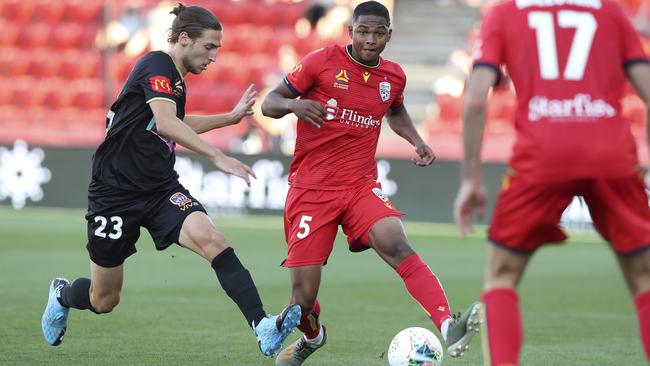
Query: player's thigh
(619,209)
(504,267)
(167,213)
(388,239)
(366,207)
(636,271)
(199,234)
(311,220)
(527,215)
(113,228)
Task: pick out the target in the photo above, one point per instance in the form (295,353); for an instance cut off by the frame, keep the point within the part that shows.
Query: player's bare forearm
(400,122)
(639,75)
(172,128)
(473,115)
(276,106)
(201,124)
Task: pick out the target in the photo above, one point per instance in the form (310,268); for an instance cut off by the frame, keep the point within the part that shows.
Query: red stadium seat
(88,94)
(84,11)
(9,34)
(66,35)
(58,94)
(44,63)
(35,35)
(14,61)
(20,10)
(28,92)
(50,11)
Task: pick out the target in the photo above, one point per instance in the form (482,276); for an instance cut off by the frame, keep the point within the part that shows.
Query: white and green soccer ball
(415,347)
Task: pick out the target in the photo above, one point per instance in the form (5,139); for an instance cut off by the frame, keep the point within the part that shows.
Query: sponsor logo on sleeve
(384,91)
(160,84)
(178,88)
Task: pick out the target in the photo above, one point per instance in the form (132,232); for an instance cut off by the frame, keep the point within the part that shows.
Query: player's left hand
(425,154)
(245,105)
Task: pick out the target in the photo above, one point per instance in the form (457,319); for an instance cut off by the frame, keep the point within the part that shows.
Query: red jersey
(356,97)
(567,60)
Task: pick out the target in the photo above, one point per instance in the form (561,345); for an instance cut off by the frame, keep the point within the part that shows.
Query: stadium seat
(84,11)
(34,35)
(21,10)
(9,34)
(88,94)
(50,11)
(28,92)
(14,61)
(44,63)
(66,35)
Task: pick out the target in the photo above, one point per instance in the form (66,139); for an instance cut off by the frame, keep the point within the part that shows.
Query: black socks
(238,284)
(77,295)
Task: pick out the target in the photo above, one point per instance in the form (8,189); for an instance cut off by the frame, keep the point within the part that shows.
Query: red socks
(503,322)
(425,288)
(309,322)
(642,303)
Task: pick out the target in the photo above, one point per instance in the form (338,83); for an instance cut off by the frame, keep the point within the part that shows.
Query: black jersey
(134,156)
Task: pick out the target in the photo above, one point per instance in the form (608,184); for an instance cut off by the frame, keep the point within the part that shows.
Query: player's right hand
(309,111)
(235,167)
(471,196)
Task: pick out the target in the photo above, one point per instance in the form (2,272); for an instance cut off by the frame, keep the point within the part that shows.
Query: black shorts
(114,219)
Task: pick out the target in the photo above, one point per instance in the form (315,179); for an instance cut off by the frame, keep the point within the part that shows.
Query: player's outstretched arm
(639,75)
(244,107)
(400,122)
(282,101)
(472,195)
(172,128)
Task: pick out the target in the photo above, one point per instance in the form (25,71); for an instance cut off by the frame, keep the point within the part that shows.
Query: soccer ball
(415,347)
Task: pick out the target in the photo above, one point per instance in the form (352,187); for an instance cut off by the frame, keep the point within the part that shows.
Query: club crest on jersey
(382,196)
(342,79)
(332,109)
(384,91)
(160,84)
(179,199)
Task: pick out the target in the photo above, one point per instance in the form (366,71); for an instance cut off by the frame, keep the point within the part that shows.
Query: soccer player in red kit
(569,61)
(345,91)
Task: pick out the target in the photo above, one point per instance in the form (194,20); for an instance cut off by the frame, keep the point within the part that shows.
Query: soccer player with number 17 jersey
(569,61)
(344,94)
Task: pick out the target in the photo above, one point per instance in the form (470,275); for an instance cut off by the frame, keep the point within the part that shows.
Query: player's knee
(211,242)
(105,304)
(396,249)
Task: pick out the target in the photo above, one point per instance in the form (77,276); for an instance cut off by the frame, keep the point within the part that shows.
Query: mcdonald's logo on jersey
(160,84)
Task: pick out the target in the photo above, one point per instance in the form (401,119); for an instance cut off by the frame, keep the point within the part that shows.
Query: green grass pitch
(577,310)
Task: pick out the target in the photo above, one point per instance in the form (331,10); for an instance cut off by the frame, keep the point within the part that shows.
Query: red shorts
(312,218)
(527,214)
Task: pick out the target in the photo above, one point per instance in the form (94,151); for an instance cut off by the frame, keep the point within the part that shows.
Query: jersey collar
(176,66)
(348,51)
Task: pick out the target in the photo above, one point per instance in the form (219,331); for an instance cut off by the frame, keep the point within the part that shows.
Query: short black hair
(193,20)
(371,8)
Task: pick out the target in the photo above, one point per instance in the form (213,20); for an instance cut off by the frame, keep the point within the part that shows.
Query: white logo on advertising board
(21,174)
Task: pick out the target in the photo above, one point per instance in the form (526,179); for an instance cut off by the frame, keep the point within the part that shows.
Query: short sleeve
(488,47)
(399,97)
(304,75)
(632,49)
(156,77)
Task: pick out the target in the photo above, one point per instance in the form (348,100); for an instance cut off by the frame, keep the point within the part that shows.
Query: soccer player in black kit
(134,185)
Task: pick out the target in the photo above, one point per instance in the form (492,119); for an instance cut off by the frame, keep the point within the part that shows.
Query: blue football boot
(55,316)
(274,329)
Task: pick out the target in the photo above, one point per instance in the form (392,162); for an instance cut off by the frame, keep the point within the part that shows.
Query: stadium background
(63,63)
